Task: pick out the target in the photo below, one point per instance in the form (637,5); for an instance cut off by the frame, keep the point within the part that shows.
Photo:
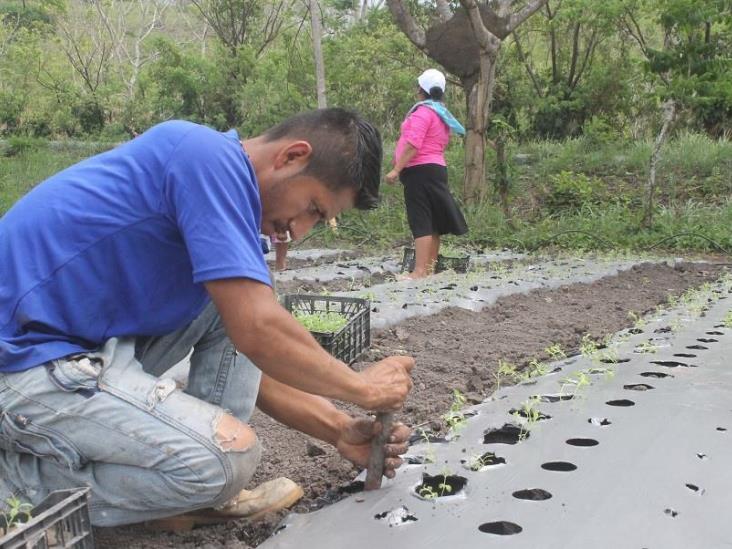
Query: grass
(693,214)
(20,172)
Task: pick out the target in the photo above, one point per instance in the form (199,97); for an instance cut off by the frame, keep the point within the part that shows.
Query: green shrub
(570,191)
(598,132)
(20,144)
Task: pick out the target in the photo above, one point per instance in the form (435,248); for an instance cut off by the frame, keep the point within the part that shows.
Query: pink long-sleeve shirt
(426,132)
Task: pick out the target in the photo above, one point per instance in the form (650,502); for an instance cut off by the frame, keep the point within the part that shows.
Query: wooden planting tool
(375,469)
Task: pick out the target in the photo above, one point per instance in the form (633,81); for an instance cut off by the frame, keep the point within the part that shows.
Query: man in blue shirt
(115,269)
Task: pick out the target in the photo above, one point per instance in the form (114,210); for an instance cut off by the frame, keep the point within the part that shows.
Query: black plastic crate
(408,260)
(457,264)
(61,521)
(444,263)
(350,341)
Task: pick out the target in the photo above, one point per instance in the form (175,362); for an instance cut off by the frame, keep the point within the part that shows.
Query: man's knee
(242,451)
(232,435)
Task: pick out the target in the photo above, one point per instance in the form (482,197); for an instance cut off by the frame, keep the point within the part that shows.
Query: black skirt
(431,209)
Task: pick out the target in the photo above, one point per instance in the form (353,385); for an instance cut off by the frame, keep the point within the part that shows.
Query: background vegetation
(578,103)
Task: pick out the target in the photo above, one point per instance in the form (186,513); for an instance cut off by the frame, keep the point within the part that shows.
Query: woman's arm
(409,152)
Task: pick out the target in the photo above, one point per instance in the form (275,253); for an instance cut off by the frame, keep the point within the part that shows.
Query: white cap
(431,78)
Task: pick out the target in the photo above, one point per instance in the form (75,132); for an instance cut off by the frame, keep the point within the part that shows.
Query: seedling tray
(351,340)
(61,521)
(444,263)
(457,264)
(408,260)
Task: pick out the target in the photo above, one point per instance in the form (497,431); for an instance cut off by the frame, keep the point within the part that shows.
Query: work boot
(252,505)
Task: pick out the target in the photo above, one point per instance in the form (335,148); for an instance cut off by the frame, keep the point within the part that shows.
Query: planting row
(611,445)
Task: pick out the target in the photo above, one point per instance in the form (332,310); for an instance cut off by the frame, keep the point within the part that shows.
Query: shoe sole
(189,521)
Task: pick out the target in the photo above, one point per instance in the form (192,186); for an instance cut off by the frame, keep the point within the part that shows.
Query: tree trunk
(502,181)
(479,94)
(316,30)
(669,113)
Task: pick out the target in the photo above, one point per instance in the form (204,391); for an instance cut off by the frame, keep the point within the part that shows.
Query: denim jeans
(107,420)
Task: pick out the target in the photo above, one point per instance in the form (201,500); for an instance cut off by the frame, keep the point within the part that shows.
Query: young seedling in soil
(579,380)
(535,368)
(477,461)
(555,352)
(428,490)
(727,320)
(638,321)
(323,323)
(530,415)
(646,347)
(17,514)
(454,418)
(588,346)
(506,370)
(429,454)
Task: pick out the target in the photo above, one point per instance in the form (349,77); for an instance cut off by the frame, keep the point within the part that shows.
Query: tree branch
(486,39)
(517,18)
(526,64)
(407,23)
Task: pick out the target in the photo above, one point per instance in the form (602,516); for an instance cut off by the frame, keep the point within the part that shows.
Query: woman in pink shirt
(419,163)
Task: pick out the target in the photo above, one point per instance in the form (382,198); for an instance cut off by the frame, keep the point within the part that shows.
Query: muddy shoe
(268,497)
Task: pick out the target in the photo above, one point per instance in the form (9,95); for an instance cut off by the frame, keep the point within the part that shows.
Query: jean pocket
(76,374)
(20,434)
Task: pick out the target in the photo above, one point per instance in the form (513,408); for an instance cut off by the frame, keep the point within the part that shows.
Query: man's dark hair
(346,152)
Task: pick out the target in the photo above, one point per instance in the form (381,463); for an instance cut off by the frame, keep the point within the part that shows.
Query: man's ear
(293,154)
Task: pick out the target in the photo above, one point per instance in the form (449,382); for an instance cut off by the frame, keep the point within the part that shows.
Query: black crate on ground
(408,260)
(61,521)
(457,264)
(350,341)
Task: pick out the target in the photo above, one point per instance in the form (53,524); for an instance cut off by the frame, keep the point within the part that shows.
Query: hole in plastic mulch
(560,466)
(500,528)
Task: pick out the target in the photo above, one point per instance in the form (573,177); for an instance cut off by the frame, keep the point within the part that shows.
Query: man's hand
(392,177)
(388,382)
(354,443)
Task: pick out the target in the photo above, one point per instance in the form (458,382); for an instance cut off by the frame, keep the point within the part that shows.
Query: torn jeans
(107,420)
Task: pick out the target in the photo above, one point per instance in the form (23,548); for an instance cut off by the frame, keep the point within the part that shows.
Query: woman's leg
(423,257)
(434,252)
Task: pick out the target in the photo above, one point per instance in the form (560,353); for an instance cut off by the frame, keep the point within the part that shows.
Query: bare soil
(454,349)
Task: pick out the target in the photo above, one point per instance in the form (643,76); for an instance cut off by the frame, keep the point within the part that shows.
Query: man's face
(297,203)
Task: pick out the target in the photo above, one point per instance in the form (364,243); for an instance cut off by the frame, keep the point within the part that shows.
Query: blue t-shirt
(121,243)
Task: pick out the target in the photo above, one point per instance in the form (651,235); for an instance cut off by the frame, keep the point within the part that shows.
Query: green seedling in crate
(323,323)
(17,513)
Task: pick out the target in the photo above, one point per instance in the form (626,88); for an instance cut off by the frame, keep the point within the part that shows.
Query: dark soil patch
(455,349)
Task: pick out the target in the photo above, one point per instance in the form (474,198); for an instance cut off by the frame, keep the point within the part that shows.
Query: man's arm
(318,417)
(279,345)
